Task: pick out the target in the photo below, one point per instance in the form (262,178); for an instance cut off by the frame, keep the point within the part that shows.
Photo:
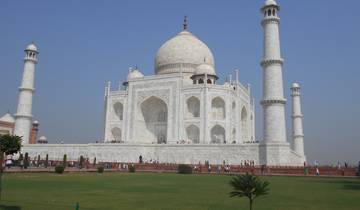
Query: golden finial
(185,23)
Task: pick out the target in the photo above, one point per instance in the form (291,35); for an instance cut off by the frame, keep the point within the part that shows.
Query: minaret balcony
(268,102)
(269,61)
(272,19)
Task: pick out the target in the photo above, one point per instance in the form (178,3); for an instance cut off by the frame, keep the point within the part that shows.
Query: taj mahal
(181,113)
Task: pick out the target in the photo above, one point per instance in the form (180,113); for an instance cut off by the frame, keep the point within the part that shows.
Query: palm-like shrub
(249,186)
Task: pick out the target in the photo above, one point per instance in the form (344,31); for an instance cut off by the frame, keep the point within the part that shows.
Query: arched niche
(233,135)
(218,135)
(119,110)
(193,107)
(218,108)
(244,125)
(116,133)
(193,134)
(153,125)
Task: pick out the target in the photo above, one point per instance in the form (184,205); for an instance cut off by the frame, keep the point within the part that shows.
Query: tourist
(209,168)
(8,163)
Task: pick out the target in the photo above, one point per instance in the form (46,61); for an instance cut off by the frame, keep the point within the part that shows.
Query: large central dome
(184,52)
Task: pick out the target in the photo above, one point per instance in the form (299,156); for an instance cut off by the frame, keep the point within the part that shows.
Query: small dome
(205,69)
(42,138)
(133,74)
(7,118)
(31,47)
(295,85)
(270,2)
(184,51)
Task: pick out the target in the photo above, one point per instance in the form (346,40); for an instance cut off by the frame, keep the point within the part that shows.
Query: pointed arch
(193,134)
(218,135)
(218,108)
(193,107)
(116,134)
(233,135)
(118,109)
(153,121)
(244,125)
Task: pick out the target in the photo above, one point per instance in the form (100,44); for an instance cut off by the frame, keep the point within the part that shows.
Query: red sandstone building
(7,124)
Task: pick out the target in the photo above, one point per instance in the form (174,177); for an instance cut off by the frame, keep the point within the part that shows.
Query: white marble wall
(189,154)
(174,90)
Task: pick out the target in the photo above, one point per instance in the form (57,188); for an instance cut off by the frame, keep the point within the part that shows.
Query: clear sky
(83,44)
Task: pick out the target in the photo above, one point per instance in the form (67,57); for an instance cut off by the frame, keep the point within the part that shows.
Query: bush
(59,169)
(132,168)
(100,169)
(184,169)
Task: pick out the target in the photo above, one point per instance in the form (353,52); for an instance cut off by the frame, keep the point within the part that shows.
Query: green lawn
(170,191)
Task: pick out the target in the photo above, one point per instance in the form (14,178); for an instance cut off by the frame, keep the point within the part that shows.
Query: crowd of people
(36,162)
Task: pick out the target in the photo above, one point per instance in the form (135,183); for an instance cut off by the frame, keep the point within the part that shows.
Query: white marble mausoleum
(182,114)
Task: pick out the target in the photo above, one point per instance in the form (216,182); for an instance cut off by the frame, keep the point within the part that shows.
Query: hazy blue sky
(83,44)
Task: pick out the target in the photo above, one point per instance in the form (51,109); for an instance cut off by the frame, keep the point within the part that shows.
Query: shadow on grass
(4,207)
(350,184)
(40,205)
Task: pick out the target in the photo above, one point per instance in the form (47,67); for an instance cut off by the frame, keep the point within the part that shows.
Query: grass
(139,191)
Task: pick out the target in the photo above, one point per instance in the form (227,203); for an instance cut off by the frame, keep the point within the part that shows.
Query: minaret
(23,117)
(298,135)
(273,102)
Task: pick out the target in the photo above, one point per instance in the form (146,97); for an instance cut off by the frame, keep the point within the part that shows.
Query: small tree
(26,160)
(21,160)
(64,161)
(38,161)
(81,164)
(249,186)
(94,163)
(9,145)
(46,161)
